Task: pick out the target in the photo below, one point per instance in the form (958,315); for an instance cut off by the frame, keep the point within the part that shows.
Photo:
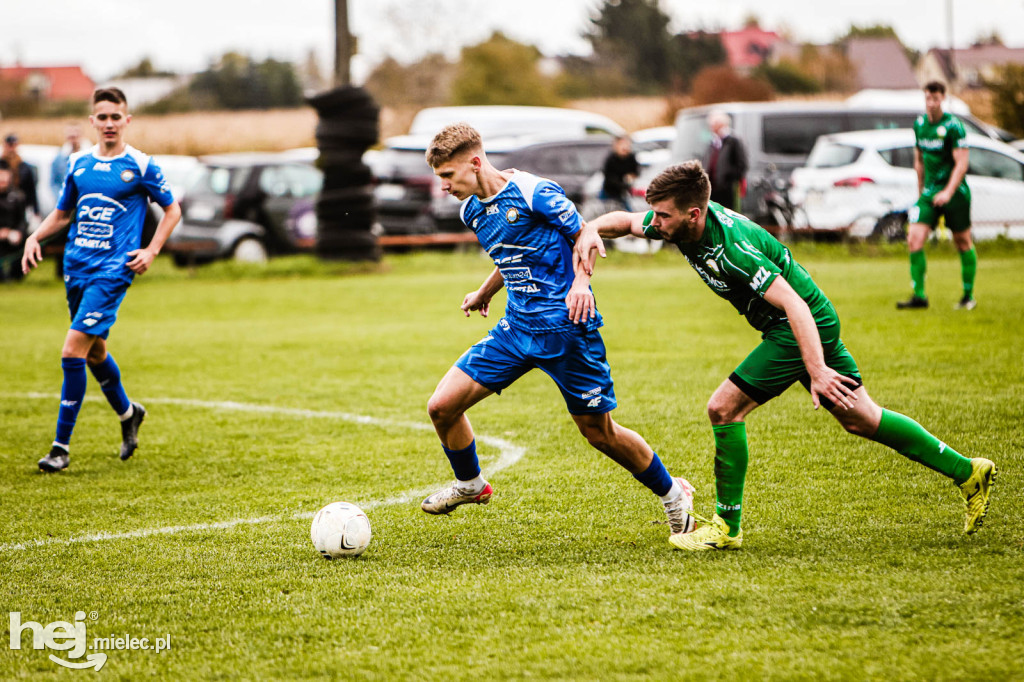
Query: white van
(778,136)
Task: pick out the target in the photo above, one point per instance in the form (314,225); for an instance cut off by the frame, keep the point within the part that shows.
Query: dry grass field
(279,129)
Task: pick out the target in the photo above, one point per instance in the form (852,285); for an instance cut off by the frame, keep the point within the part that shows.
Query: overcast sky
(106,36)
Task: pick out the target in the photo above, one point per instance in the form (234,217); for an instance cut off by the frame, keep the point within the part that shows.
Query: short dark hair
(686,183)
(115,95)
(935,86)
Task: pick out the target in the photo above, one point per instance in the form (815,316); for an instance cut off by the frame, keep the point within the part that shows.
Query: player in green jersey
(941,158)
(745,265)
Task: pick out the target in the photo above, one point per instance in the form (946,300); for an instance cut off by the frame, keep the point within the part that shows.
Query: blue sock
(464,462)
(109,376)
(72,393)
(656,477)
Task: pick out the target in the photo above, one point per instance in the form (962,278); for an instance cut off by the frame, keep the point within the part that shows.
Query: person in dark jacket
(12,225)
(726,162)
(24,174)
(620,170)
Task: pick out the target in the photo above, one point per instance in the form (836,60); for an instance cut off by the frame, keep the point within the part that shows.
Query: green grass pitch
(854,564)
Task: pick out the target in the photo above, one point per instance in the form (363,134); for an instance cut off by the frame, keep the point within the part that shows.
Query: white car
(852,180)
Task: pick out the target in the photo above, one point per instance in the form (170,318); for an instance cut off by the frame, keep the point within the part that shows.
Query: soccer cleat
(678,510)
(714,535)
(914,301)
(130,431)
(976,491)
(967,303)
(56,460)
(444,501)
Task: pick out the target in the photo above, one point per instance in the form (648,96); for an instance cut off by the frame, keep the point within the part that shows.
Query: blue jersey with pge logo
(109,198)
(527,229)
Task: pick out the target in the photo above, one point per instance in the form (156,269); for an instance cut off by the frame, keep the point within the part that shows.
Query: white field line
(509,454)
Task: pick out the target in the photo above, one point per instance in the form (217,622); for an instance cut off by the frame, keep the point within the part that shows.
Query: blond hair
(451,141)
(685,183)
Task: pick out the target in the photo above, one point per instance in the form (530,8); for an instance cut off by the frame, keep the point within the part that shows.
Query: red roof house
(52,83)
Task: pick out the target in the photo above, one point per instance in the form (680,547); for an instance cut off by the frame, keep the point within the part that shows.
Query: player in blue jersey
(528,227)
(105,198)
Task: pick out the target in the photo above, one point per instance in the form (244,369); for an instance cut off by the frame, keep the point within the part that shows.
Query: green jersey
(936,142)
(739,260)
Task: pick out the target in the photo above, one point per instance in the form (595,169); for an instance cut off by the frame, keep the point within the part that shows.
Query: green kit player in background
(800,341)
(941,158)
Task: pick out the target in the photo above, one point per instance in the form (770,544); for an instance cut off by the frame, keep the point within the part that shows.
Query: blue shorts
(575,359)
(93,303)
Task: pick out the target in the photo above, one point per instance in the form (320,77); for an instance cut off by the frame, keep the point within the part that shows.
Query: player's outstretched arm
(52,224)
(589,242)
(825,381)
(143,258)
(481,298)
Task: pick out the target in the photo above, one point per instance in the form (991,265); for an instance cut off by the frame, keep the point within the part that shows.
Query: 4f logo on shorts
(760,277)
(594,402)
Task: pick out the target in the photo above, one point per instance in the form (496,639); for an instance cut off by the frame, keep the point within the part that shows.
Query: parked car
(780,135)
(409,198)
(245,206)
(853,180)
(514,121)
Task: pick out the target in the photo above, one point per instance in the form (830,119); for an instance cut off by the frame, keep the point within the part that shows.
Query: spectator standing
(12,225)
(73,144)
(23,173)
(620,170)
(726,161)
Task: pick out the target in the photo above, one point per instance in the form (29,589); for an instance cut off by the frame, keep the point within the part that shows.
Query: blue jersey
(109,198)
(527,229)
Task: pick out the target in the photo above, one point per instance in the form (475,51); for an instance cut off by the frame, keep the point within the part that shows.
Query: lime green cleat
(714,535)
(976,491)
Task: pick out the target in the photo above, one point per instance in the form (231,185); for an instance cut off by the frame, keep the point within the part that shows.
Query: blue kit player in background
(528,227)
(105,197)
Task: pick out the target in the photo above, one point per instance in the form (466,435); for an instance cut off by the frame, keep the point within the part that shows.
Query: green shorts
(776,363)
(957,211)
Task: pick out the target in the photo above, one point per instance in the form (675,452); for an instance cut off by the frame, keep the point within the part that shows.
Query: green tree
(693,52)
(635,35)
(1007,90)
(144,69)
(502,71)
(237,82)
(426,83)
(787,78)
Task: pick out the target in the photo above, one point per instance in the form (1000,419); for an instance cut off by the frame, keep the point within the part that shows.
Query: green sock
(911,440)
(918,268)
(968,268)
(730,471)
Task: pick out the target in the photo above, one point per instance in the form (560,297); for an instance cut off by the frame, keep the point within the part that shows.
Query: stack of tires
(345,214)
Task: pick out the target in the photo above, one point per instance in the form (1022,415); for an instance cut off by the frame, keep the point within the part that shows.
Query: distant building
(49,83)
(748,47)
(969,67)
(880,64)
(142,91)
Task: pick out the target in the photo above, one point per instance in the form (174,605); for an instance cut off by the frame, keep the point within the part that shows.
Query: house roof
(978,57)
(57,82)
(748,47)
(880,63)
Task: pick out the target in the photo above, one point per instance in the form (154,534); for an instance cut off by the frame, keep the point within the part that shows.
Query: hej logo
(71,637)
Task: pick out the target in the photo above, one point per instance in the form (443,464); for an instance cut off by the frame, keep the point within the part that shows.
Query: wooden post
(342,44)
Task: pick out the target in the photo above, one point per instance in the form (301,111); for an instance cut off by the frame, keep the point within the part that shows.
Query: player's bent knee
(441,410)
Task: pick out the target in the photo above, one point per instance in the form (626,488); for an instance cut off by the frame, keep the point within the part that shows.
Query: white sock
(474,486)
(62,446)
(128,413)
(673,493)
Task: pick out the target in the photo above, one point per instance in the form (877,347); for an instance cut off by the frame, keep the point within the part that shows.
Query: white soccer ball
(340,529)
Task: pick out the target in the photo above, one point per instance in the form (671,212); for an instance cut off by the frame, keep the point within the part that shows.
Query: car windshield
(400,163)
(832,155)
(216,180)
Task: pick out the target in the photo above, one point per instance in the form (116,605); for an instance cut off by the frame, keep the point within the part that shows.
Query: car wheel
(892,227)
(249,250)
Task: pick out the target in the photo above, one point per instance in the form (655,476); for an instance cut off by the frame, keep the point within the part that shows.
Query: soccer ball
(340,529)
